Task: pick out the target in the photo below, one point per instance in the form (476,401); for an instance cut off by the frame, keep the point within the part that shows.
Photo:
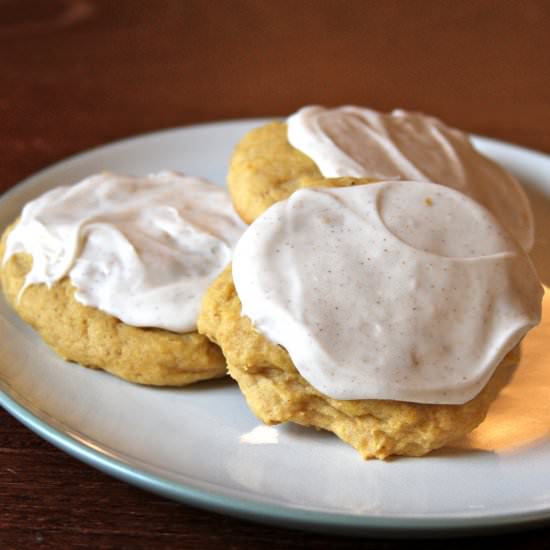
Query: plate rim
(279,515)
(238,506)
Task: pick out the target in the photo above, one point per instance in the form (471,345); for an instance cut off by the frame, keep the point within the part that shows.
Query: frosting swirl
(141,249)
(394,290)
(359,142)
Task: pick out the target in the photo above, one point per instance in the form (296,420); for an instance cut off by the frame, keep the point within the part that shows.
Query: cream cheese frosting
(395,290)
(359,142)
(143,249)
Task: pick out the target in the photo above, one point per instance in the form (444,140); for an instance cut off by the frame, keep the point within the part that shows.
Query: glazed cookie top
(141,249)
(359,142)
(407,291)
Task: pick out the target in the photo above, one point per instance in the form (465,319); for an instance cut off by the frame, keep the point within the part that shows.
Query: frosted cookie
(111,272)
(390,314)
(273,161)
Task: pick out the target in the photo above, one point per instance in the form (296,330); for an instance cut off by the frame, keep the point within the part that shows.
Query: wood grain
(79,73)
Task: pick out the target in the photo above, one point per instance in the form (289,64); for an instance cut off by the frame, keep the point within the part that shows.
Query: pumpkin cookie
(273,161)
(363,311)
(111,271)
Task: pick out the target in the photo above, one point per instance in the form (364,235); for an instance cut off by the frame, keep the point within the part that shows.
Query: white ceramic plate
(201,445)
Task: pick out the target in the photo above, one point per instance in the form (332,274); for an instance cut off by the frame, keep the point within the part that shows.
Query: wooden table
(78,73)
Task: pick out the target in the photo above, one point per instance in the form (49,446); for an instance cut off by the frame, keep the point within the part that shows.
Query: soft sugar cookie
(111,272)
(390,314)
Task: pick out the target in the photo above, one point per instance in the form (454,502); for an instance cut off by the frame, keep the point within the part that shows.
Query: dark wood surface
(78,73)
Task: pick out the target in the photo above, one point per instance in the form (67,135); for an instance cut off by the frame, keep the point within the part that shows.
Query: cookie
(273,161)
(363,311)
(111,271)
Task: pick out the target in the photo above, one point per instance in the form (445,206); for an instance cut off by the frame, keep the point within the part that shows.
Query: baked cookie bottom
(97,340)
(277,393)
(266,169)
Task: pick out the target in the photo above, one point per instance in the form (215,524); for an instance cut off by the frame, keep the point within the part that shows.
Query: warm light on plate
(520,416)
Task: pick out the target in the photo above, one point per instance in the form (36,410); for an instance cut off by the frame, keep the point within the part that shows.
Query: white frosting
(395,290)
(141,249)
(358,142)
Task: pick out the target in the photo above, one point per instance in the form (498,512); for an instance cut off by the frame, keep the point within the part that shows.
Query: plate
(201,445)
